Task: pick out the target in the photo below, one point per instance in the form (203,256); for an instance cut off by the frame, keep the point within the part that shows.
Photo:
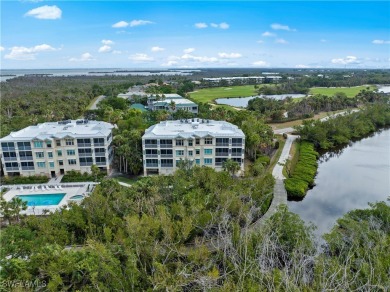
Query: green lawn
(349,91)
(210,94)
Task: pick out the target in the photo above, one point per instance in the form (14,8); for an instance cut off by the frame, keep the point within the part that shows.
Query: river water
(347,179)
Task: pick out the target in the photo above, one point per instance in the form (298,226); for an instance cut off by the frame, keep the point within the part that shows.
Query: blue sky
(179,34)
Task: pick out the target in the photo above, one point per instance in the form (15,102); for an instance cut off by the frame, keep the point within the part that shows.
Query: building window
(48,144)
(38,144)
(197,151)
(98,141)
(197,141)
(179,152)
(190,153)
(180,142)
(50,154)
(72,161)
(59,152)
(190,142)
(8,146)
(58,142)
(70,152)
(24,145)
(208,141)
(51,164)
(197,161)
(39,154)
(101,160)
(60,162)
(41,164)
(69,142)
(208,151)
(208,161)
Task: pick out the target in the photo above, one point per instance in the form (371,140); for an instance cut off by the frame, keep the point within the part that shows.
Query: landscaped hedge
(18,180)
(74,176)
(303,172)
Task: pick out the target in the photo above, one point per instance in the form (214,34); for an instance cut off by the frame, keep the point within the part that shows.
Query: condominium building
(199,141)
(54,148)
(171,102)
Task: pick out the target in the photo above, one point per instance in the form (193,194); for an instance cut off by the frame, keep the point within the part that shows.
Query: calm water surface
(347,180)
(243,101)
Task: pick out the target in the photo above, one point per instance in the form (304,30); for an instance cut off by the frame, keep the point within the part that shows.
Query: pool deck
(70,190)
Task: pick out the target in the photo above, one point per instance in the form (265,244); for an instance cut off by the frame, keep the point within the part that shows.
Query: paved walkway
(94,105)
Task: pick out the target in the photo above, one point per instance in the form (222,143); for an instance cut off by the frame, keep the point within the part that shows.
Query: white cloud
(222,25)
(268,34)
(139,57)
(200,25)
(188,50)
(202,59)
(107,42)
(157,49)
(380,42)
(2,48)
(345,61)
(24,53)
(105,49)
(170,63)
(260,64)
(83,58)
(301,66)
(229,56)
(120,24)
(281,41)
(45,12)
(139,22)
(278,26)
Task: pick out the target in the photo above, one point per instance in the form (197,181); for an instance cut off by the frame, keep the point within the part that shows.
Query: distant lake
(347,179)
(243,101)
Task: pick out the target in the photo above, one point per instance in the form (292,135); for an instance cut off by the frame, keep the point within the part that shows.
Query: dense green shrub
(303,173)
(15,180)
(75,176)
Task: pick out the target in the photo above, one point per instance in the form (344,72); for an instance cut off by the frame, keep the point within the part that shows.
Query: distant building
(201,142)
(54,148)
(231,80)
(171,102)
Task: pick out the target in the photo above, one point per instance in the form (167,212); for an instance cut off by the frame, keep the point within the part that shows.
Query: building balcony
(218,163)
(24,158)
(237,154)
(10,158)
(151,155)
(100,163)
(24,148)
(8,149)
(165,146)
(80,145)
(12,168)
(100,154)
(85,155)
(166,155)
(86,163)
(237,144)
(222,154)
(166,164)
(28,168)
(151,164)
(98,144)
(150,145)
(223,144)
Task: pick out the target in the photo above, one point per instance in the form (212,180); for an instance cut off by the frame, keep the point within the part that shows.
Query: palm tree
(231,166)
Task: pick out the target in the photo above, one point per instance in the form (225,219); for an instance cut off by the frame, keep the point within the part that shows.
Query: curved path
(280,194)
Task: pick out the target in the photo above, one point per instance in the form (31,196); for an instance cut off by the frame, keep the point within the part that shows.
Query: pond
(347,179)
(243,101)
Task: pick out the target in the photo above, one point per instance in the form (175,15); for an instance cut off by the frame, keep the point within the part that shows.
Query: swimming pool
(77,197)
(42,199)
